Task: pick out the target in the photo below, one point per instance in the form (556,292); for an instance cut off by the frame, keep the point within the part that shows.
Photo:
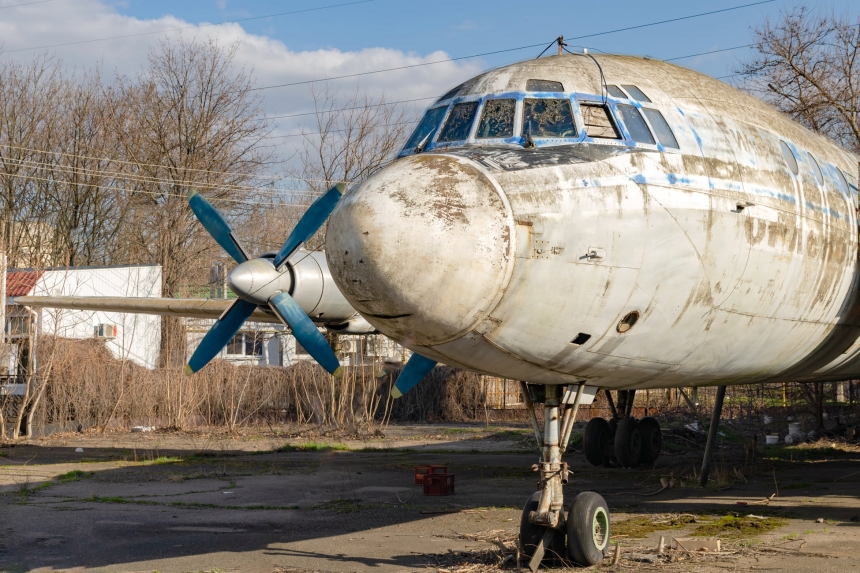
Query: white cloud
(273,62)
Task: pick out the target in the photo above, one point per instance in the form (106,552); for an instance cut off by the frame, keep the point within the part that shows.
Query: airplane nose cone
(423,248)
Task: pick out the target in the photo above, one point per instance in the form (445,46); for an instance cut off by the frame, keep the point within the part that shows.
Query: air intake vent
(580,339)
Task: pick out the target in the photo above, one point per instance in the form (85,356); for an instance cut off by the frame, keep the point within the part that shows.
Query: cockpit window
(497,119)
(459,122)
(543,86)
(548,118)
(615,91)
(426,127)
(636,126)
(636,93)
(661,128)
(598,123)
(451,93)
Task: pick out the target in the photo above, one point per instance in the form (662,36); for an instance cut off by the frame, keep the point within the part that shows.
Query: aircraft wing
(186,307)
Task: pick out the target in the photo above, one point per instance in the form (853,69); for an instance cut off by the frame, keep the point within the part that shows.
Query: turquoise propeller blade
(215,224)
(306,332)
(417,367)
(310,222)
(219,335)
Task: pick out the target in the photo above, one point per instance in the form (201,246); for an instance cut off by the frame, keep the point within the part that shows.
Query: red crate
(438,484)
(421,471)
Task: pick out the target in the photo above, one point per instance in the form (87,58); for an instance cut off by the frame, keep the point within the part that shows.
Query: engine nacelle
(355,325)
(305,276)
(314,289)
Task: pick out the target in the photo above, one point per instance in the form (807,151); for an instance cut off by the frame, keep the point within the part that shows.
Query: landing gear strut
(543,525)
(623,440)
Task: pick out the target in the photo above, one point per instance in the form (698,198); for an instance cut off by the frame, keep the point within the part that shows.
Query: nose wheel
(547,534)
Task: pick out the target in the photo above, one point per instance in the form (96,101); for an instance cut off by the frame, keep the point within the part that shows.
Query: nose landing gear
(544,526)
(623,441)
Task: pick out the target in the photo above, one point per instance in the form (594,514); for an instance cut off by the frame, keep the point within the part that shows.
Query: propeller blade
(215,224)
(306,332)
(219,335)
(312,220)
(417,367)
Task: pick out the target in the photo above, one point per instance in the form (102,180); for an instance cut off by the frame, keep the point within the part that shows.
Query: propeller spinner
(261,282)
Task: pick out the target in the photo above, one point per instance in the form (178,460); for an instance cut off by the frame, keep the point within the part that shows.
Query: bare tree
(190,121)
(350,137)
(808,65)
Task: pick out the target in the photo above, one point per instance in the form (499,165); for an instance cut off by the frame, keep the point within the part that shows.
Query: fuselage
(515,241)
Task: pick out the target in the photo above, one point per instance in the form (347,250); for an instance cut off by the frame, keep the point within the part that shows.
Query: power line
(140,164)
(352,108)
(27,4)
(335,130)
(69,170)
(195,27)
(711,52)
(605,32)
(158,194)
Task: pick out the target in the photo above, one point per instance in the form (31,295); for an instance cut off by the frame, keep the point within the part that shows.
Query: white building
(134,337)
(267,344)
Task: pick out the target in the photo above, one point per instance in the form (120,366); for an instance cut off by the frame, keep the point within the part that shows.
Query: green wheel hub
(600,529)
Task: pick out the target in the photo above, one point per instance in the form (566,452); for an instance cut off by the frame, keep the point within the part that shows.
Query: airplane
(578,222)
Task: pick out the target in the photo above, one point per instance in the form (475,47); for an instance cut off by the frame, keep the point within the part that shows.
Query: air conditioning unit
(347,346)
(8,359)
(106,331)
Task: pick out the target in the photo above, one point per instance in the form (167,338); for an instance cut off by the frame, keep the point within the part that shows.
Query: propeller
(280,302)
(417,367)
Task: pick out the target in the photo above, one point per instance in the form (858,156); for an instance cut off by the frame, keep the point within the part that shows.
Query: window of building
(788,157)
(636,126)
(615,91)
(661,128)
(598,122)
(459,122)
(426,127)
(548,118)
(544,86)
(636,93)
(497,119)
(816,170)
(246,344)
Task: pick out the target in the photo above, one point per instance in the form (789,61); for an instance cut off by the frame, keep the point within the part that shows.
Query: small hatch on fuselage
(544,86)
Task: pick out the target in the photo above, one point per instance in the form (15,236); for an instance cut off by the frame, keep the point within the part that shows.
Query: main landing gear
(622,441)
(546,530)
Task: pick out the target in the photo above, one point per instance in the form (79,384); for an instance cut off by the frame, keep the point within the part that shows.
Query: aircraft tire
(628,443)
(595,439)
(588,529)
(652,440)
(531,534)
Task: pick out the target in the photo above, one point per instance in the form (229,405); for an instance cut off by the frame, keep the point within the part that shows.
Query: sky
(290,41)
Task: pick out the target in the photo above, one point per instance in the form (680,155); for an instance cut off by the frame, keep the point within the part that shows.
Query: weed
(340,505)
(74,475)
(313,447)
(641,526)
(739,526)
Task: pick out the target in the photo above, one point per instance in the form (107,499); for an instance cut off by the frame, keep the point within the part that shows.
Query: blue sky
(371,35)
(462,27)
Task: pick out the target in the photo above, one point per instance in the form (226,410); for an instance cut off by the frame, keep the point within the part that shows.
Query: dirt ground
(264,501)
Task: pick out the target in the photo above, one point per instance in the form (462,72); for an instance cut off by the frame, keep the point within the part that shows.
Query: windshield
(426,127)
(548,118)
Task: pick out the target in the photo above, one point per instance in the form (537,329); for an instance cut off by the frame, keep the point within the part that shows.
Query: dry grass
(88,387)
